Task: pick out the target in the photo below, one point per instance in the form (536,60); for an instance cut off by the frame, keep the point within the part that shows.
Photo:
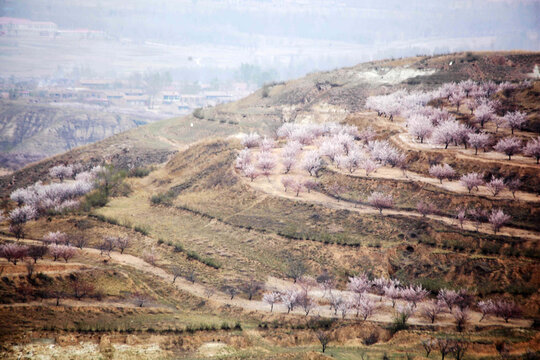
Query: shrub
(140,172)
(165,199)
(141,229)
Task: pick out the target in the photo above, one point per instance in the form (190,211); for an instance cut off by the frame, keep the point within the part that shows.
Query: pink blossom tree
(369,166)
(507,310)
(287,181)
(499,121)
(367,135)
(496,185)
(267,144)
(312,163)
(243,159)
(61,171)
(365,306)
(56,237)
(432,310)
(272,298)
(310,185)
(359,284)
(515,120)
(420,127)
(478,215)
(510,146)
(472,180)
(497,219)
(289,298)
(445,133)
(393,293)
(297,186)
(251,140)
(13,252)
(457,97)
(381,201)
(513,185)
(486,307)
(448,297)
(266,162)
(442,171)
(479,140)
(291,149)
(288,163)
(414,294)
(484,113)
(532,149)
(461,216)
(467,86)
(425,208)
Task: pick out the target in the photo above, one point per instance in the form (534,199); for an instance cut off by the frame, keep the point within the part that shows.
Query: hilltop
(216,223)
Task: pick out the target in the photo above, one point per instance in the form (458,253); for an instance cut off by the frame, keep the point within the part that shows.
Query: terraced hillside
(334,229)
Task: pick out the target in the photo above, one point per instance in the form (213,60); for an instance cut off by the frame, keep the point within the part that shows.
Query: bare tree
(123,243)
(37,252)
(251,287)
(81,288)
(296,269)
(431,310)
(324,338)
(140,298)
(176,271)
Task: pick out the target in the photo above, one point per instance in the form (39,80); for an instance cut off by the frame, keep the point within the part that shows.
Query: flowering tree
(499,121)
(478,215)
(251,172)
(472,180)
(13,252)
(359,284)
(243,159)
(442,171)
(310,185)
(251,140)
(445,133)
(291,149)
(467,86)
(495,185)
(266,162)
(365,306)
(461,317)
(369,166)
(312,163)
(457,97)
(484,113)
(367,135)
(479,140)
(61,171)
(57,237)
(414,294)
(381,201)
(18,217)
(431,310)
(393,293)
(290,299)
(288,163)
(267,144)
(486,308)
(509,146)
(461,216)
(448,297)
(513,185)
(62,251)
(425,208)
(532,149)
(507,310)
(297,186)
(515,120)
(420,126)
(497,219)
(287,181)
(272,298)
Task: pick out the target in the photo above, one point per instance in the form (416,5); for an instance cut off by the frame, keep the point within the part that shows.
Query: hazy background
(209,40)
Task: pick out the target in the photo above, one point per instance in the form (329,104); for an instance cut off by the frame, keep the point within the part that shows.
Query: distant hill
(317,97)
(34,131)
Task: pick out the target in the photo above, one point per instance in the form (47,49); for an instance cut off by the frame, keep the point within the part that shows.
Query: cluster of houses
(17,27)
(105,92)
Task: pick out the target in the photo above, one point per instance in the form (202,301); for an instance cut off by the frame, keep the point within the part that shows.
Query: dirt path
(405,141)
(272,185)
(383,314)
(453,186)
